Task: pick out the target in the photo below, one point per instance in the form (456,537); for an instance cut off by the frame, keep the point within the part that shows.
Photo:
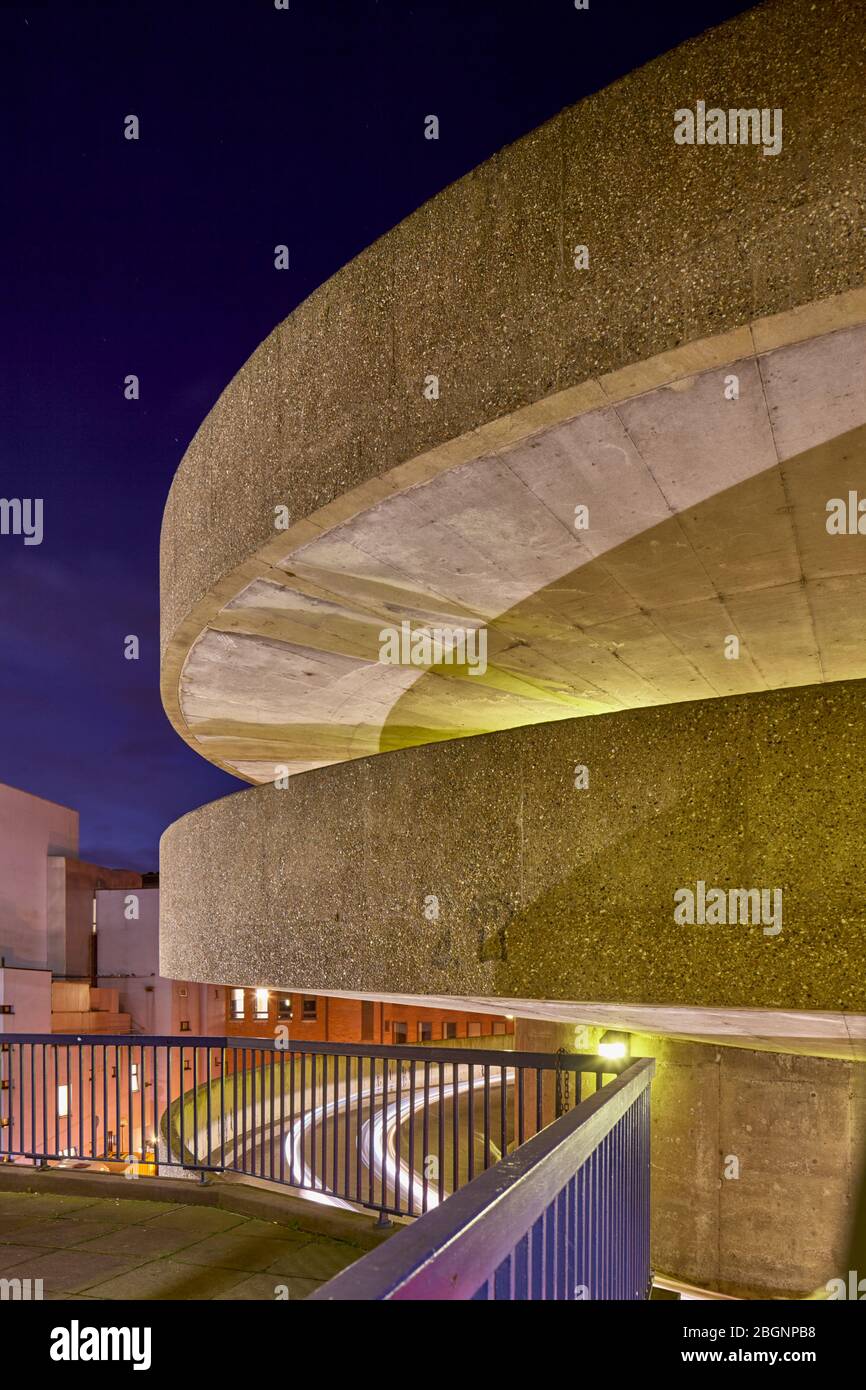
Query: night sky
(155,257)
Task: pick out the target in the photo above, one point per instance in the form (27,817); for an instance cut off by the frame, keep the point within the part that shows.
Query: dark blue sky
(156,258)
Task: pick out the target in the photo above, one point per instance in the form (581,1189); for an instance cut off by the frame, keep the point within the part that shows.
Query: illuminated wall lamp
(614,1046)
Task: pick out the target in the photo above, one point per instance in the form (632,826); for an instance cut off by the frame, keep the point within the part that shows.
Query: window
(311,1010)
(63,1100)
(401,1032)
(366,1020)
(425,1032)
(184,1025)
(284,1007)
(237,1004)
(133,1076)
(474,1030)
(261,1003)
(499,1029)
(449,1030)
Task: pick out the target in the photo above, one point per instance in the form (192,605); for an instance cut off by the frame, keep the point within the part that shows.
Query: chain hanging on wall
(563,1083)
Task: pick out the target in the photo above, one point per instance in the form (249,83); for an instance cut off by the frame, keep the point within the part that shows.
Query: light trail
(377,1139)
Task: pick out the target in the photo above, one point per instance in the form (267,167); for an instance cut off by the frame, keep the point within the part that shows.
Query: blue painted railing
(565,1216)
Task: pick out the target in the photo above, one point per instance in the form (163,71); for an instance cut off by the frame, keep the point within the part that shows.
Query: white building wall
(127,945)
(128,956)
(28,993)
(31,830)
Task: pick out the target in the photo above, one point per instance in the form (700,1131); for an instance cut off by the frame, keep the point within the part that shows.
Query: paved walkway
(125,1248)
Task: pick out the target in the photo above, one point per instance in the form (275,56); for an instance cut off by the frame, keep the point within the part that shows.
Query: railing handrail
(508,1197)
(421,1052)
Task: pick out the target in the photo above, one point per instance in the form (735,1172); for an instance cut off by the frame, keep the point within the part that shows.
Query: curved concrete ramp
(479,868)
(703,517)
(616,468)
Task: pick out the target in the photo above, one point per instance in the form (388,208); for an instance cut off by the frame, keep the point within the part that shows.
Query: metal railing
(566,1216)
(396,1129)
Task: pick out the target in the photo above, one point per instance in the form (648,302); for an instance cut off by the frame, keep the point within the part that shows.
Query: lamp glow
(613,1046)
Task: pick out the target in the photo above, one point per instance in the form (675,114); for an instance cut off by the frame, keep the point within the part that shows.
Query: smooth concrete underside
(802,1033)
(706,519)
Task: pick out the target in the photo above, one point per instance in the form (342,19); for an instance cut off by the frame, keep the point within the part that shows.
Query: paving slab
(236,1249)
(34,1204)
(18,1255)
(162,1280)
(58,1232)
(199,1221)
(264,1288)
(144,1239)
(277,1230)
(126,1210)
(321,1259)
(70,1270)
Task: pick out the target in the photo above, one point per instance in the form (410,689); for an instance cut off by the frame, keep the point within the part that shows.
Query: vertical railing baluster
(323,1181)
(503,1111)
(425,1135)
(244,1149)
(272,1128)
(55,1147)
(347,1113)
(440,1147)
(455,1129)
(291,1117)
(302,1181)
(398,1189)
(154,1103)
(130,1139)
(470,1135)
(359,1111)
(335,1129)
(44,1100)
(486,1071)
(182,1107)
(142,1096)
(168,1100)
(255,1156)
(386,1084)
(313,1106)
(370,1118)
(80,1089)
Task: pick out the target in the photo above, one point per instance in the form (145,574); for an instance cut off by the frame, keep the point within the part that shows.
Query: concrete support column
(756,1158)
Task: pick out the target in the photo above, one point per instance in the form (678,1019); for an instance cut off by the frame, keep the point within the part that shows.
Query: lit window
(425,1032)
(63,1100)
(133,1076)
(284,1006)
(261,1003)
(237,1009)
